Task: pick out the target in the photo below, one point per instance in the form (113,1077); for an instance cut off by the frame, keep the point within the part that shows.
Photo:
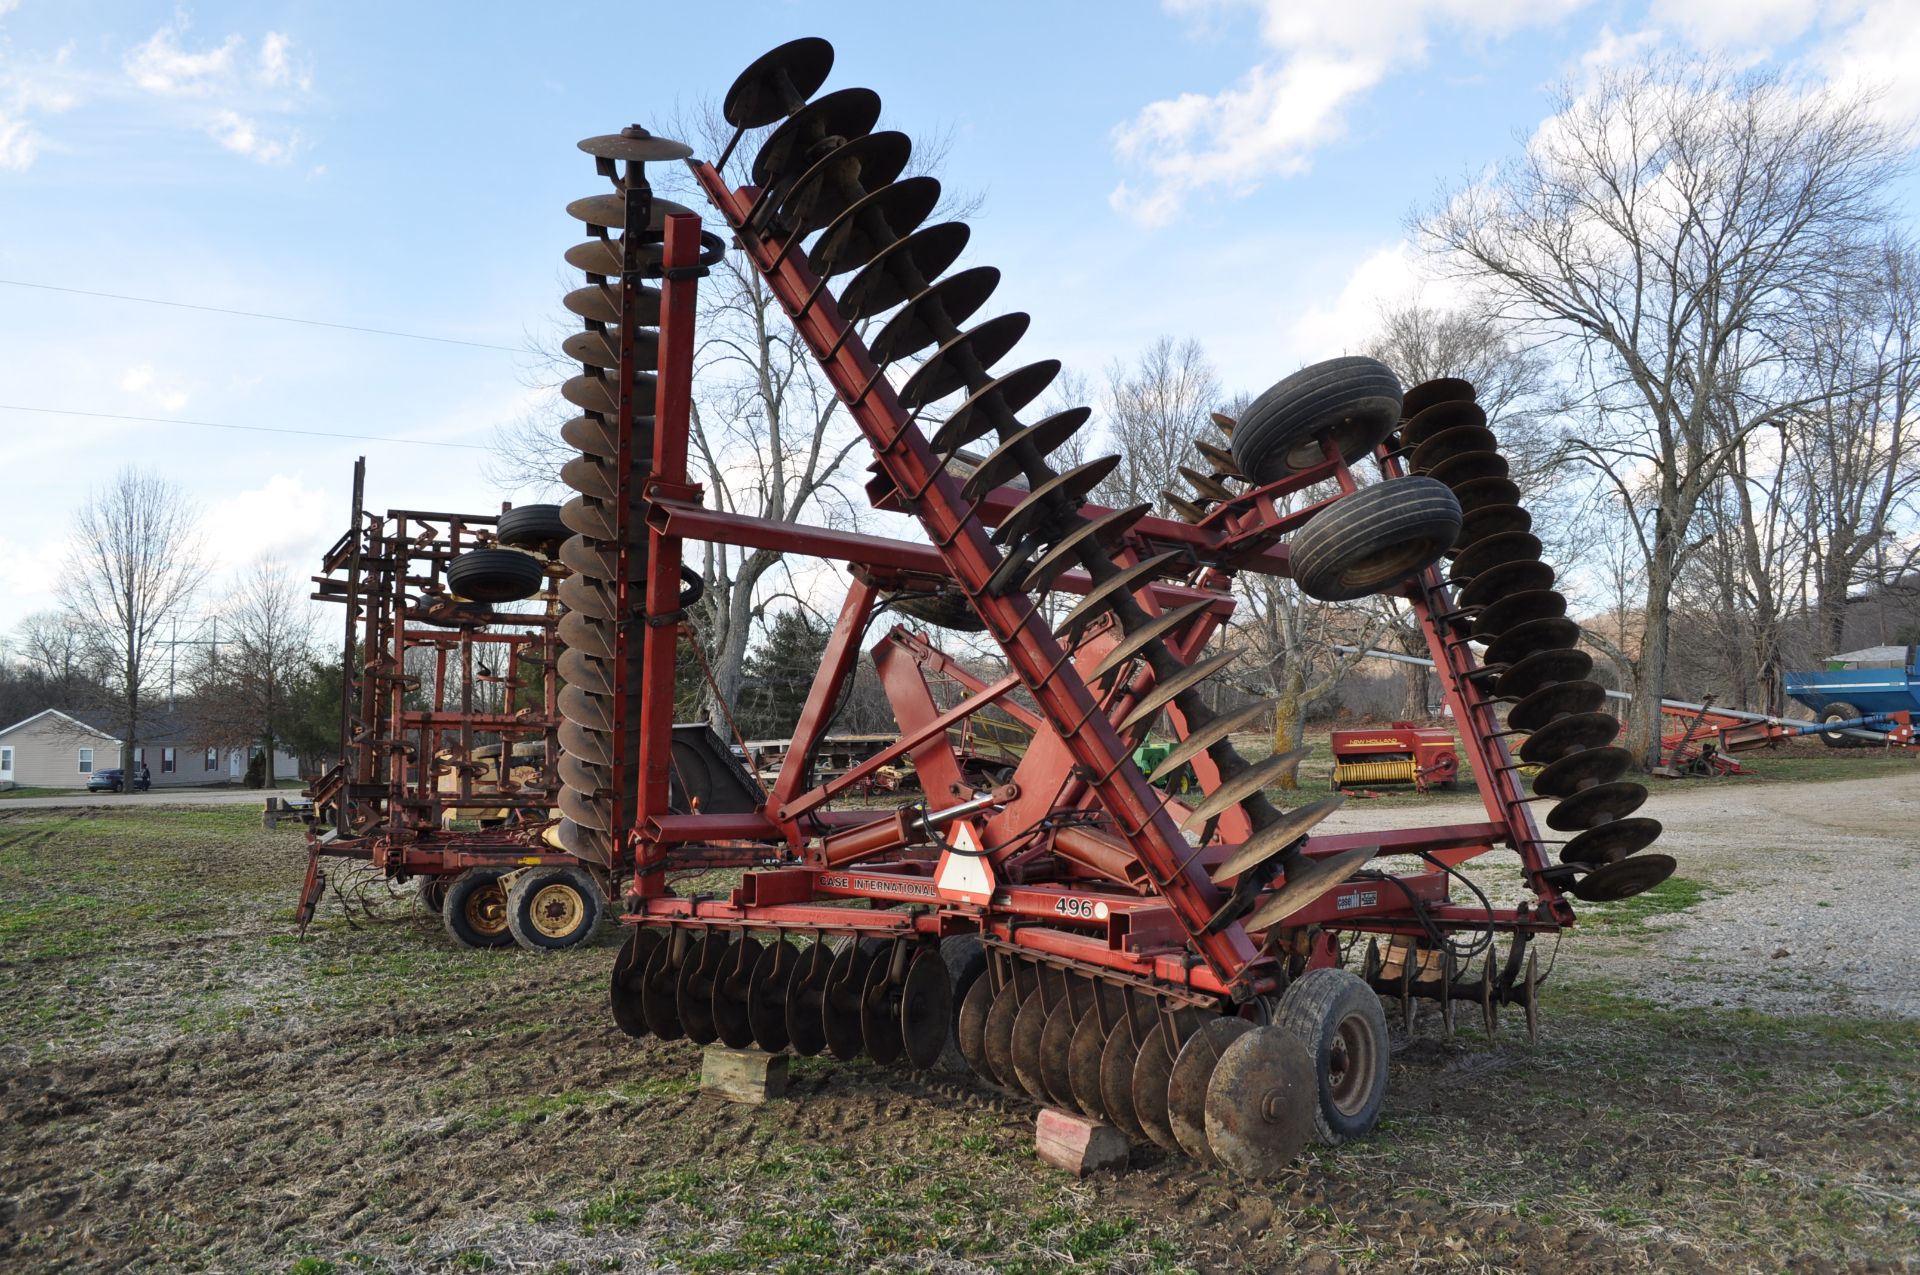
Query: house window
(139,758)
(86,761)
(6,759)
(213,759)
(166,761)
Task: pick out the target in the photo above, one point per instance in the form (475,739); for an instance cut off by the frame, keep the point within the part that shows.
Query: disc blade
(1200,740)
(1597,806)
(1028,1027)
(880,1012)
(1320,876)
(629,973)
(1550,703)
(1152,1069)
(767,995)
(1103,531)
(693,992)
(1630,876)
(1567,735)
(732,992)
(933,314)
(658,1002)
(1277,836)
(948,368)
(1007,462)
(1116,1082)
(1103,595)
(636,146)
(1260,1103)
(610,211)
(1595,766)
(1187,1083)
(860,233)
(971,1029)
(847,113)
(902,269)
(926,1009)
(1083,1065)
(777,82)
(991,407)
(1001,1017)
(1256,778)
(1543,669)
(1611,842)
(1497,582)
(1146,635)
(1164,693)
(1056,1043)
(840,1000)
(1056,499)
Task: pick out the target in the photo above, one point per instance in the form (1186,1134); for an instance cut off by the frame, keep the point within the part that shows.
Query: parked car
(114,780)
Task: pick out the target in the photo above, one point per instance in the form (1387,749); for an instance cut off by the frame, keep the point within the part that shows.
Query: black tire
(1839,711)
(947,609)
(475,909)
(532,527)
(1356,398)
(552,909)
(433,893)
(496,575)
(1369,540)
(1338,1018)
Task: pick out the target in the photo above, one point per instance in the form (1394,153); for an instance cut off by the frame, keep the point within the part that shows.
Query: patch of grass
(1630,915)
(13,793)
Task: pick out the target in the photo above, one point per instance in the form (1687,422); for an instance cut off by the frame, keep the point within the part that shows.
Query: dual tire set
(543,909)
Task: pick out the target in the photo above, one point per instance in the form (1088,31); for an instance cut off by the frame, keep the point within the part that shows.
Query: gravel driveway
(1811,896)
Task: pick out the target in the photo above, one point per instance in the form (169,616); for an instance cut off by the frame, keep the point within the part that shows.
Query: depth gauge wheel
(1338,1018)
(549,909)
(475,910)
(532,527)
(1371,539)
(433,892)
(496,575)
(1356,399)
(947,609)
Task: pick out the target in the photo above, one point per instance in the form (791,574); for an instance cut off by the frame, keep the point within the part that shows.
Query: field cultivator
(450,768)
(1175,965)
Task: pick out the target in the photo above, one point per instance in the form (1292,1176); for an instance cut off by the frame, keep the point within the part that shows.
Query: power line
(255,314)
(252,429)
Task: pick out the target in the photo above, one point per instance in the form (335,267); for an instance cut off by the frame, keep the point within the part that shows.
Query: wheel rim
(555,910)
(1390,564)
(486,910)
(1351,1065)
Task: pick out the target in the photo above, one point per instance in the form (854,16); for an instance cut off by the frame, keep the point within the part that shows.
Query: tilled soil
(188,1087)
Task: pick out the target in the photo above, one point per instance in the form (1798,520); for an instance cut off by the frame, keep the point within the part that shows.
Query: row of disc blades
(831,187)
(1220,1089)
(1505,598)
(588,630)
(887,1000)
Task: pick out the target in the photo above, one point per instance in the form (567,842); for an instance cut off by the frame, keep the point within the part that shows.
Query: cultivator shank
(1169,964)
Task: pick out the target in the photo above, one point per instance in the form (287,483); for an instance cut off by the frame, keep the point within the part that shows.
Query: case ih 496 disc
(1175,967)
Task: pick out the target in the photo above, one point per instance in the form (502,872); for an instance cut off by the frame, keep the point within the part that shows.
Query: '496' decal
(1088,909)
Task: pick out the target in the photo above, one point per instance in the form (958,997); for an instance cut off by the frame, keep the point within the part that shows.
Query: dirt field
(186,1085)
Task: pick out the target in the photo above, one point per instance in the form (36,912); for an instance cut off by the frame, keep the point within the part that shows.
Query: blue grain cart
(1879,679)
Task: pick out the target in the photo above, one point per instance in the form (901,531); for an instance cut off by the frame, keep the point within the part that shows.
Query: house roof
(74,719)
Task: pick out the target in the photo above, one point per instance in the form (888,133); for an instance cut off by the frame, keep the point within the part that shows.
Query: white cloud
(1739,24)
(27,91)
(242,136)
(239,90)
(142,384)
(1877,53)
(161,66)
(282,518)
(1321,58)
(1390,276)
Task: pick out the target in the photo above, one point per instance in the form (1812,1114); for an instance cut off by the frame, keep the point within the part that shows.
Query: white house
(56,748)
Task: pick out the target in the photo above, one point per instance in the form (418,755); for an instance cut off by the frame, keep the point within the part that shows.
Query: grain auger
(1172,965)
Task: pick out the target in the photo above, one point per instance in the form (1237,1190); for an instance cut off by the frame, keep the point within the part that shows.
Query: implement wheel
(1337,1017)
(1355,399)
(475,910)
(1839,712)
(433,892)
(1371,539)
(552,908)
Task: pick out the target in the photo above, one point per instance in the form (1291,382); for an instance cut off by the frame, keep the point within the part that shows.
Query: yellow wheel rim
(487,910)
(556,910)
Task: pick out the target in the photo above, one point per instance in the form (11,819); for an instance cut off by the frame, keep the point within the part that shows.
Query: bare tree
(1664,226)
(54,646)
(1851,452)
(1293,641)
(135,563)
(243,687)
(1155,409)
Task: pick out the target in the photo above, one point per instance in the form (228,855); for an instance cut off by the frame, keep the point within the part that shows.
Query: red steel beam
(905,455)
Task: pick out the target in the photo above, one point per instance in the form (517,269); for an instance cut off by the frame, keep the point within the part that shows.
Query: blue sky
(1237,171)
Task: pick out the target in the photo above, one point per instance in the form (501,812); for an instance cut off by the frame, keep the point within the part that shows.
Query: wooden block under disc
(743,1075)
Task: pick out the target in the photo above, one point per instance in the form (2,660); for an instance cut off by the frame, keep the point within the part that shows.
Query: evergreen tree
(778,674)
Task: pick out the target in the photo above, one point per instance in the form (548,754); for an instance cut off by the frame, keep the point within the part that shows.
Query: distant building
(56,748)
